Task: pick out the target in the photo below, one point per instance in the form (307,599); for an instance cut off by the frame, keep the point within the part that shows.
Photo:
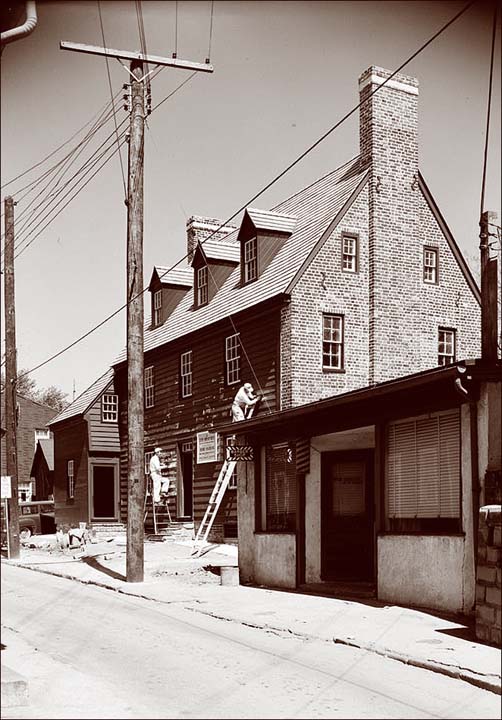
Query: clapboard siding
(70,443)
(174,419)
(103,436)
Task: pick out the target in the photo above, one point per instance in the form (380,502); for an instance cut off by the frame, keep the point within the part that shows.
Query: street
(90,652)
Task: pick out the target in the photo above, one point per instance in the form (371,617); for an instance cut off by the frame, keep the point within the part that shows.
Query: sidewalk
(172,575)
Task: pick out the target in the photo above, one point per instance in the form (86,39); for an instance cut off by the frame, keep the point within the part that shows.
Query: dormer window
(250,260)
(157,308)
(202,291)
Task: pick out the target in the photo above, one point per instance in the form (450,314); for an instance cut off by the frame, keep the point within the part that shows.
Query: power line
(113,104)
(488,112)
(272,182)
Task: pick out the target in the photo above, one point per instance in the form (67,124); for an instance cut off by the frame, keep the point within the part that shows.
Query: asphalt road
(94,653)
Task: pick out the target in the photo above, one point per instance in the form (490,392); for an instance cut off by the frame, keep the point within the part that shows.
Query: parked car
(36,518)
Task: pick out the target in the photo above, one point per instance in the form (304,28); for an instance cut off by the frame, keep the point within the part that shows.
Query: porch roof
(422,392)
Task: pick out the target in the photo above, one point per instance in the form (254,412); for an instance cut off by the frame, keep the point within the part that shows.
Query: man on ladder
(156,467)
(244,402)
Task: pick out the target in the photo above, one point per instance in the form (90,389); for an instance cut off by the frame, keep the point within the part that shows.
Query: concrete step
(14,688)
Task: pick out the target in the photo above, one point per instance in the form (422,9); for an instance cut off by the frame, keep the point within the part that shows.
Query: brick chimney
(389,148)
(199,228)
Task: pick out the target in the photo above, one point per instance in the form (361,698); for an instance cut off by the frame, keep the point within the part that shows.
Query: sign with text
(240,452)
(6,487)
(207,447)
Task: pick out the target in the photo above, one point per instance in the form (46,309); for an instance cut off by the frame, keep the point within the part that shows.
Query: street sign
(6,487)
(240,452)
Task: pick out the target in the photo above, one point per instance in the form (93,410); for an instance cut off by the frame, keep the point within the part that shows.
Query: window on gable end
(202,289)
(447,341)
(250,257)
(350,253)
(109,408)
(157,308)
(430,265)
(332,342)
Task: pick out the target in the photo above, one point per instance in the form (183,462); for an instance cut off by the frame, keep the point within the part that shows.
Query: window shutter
(402,460)
(427,467)
(450,465)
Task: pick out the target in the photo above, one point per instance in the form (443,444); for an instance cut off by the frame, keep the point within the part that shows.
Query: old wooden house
(353,281)
(32,425)
(86,452)
(42,469)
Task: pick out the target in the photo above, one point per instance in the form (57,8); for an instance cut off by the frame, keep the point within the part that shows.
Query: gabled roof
(220,250)
(83,402)
(173,276)
(47,450)
(314,207)
(269,220)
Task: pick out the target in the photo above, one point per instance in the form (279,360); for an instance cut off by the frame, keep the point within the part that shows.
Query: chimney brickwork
(199,228)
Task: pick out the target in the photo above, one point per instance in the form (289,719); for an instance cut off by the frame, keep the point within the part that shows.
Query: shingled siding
(326,288)
(174,419)
(103,436)
(70,443)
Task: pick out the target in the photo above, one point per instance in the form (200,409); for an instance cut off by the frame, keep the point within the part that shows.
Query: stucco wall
(275,560)
(404,578)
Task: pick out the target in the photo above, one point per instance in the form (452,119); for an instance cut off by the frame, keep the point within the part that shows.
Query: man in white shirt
(156,473)
(244,400)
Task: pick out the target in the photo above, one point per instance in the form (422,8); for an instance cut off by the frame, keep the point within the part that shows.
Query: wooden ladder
(219,489)
(155,506)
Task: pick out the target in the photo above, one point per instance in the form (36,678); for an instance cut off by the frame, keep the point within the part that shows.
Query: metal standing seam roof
(82,403)
(314,208)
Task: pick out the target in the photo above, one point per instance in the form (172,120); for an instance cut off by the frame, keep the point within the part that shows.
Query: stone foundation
(489,575)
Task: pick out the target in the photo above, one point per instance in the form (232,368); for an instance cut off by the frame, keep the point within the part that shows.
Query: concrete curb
(491,683)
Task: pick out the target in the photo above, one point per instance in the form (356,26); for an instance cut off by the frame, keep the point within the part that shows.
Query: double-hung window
(149,387)
(202,290)
(422,473)
(431,257)
(349,253)
(250,260)
(446,346)
(70,474)
(332,342)
(157,307)
(233,359)
(109,408)
(186,373)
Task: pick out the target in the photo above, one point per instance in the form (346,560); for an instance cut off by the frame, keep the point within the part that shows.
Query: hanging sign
(240,452)
(6,487)
(207,447)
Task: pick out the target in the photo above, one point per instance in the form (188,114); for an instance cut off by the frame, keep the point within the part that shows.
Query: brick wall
(199,228)
(489,575)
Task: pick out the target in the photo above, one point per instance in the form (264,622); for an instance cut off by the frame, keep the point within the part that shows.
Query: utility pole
(489,289)
(10,378)
(135,359)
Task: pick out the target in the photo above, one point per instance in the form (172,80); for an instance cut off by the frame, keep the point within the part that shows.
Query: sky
(284,73)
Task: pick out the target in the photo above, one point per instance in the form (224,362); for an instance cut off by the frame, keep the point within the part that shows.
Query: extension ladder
(219,489)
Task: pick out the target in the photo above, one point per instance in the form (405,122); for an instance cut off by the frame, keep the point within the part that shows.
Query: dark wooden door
(347,516)
(187,479)
(103,492)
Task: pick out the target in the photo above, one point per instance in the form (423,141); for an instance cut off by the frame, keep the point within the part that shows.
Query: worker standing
(156,467)
(244,400)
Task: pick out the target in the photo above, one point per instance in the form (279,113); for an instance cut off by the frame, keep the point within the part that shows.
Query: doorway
(103,492)
(347,516)
(185,480)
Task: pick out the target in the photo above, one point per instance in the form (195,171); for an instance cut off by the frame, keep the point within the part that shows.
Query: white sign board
(207,447)
(6,487)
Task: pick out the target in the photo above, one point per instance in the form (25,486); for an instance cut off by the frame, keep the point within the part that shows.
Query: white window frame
(430,265)
(42,434)
(148,456)
(109,408)
(423,467)
(350,248)
(186,373)
(447,345)
(149,387)
(202,286)
(70,471)
(233,359)
(250,253)
(333,345)
(157,307)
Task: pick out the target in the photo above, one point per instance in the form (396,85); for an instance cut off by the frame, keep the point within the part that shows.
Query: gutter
(18,33)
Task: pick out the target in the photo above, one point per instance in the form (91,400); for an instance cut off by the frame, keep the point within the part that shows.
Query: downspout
(27,28)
